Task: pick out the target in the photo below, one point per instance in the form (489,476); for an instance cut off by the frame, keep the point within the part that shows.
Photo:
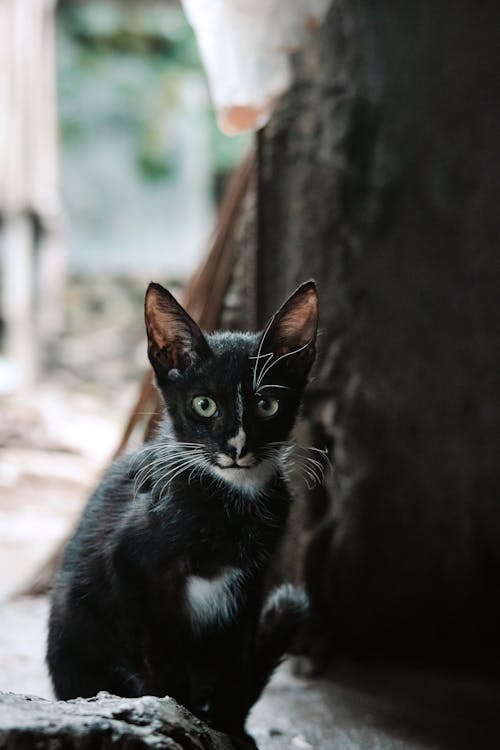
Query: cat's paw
(284,612)
(285,600)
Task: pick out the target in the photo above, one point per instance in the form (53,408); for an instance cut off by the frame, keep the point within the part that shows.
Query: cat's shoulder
(114,492)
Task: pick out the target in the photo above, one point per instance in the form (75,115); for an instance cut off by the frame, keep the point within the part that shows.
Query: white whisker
(283,387)
(312,470)
(310,473)
(184,467)
(164,459)
(269,365)
(261,344)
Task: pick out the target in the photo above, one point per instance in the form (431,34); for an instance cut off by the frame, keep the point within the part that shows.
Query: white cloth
(245,47)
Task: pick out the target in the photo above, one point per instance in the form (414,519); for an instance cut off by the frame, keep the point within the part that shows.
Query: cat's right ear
(175,341)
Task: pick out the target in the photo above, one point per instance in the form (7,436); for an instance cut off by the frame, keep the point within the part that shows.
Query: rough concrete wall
(380,177)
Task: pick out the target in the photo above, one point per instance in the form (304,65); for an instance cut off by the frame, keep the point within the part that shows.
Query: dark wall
(380,177)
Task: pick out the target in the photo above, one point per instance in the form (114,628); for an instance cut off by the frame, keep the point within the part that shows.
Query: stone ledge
(105,722)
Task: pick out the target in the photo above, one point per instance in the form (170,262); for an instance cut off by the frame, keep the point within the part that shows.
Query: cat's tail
(282,617)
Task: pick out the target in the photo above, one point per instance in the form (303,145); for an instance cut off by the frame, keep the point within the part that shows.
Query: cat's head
(232,398)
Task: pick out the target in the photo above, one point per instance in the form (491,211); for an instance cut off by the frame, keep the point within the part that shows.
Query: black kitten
(161,590)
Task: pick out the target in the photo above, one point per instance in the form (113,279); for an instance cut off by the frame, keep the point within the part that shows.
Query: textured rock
(377,178)
(106,722)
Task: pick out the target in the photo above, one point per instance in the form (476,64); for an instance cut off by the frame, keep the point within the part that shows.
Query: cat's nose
(236,452)
(231,451)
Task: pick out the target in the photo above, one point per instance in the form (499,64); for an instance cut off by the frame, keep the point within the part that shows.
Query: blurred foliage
(146,28)
(122,67)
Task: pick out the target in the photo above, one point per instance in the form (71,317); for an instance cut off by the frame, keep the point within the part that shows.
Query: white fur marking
(250,481)
(224,460)
(214,600)
(238,441)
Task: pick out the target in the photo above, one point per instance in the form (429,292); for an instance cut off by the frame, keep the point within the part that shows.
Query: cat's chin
(250,479)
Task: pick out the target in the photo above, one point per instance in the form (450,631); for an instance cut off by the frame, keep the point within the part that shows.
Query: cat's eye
(204,406)
(267,407)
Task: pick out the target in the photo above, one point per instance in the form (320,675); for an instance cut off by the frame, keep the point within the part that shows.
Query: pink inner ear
(157,332)
(169,340)
(166,331)
(297,325)
(174,339)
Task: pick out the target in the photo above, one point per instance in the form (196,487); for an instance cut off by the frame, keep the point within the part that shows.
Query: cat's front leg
(255,650)
(83,654)
(228,704)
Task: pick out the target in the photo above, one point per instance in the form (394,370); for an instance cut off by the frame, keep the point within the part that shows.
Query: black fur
(120,619)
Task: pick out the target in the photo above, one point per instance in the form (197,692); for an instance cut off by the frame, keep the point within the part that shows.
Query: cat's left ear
(293,330)
(175,341)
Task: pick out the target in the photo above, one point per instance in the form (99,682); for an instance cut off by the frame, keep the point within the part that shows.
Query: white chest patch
(214,600)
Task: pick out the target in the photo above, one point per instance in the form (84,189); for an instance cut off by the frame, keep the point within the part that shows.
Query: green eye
(204,406)
(267,407)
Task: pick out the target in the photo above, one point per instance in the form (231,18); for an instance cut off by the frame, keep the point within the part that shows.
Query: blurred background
(112,168)
(111,171)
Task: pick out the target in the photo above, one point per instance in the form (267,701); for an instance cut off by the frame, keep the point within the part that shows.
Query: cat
(162,587)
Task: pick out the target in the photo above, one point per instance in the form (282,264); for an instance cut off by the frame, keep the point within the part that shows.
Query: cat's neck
(239,489)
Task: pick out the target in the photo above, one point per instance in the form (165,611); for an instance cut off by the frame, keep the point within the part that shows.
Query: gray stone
(103,722)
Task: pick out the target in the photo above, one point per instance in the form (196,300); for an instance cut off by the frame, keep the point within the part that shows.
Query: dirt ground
(52,449)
